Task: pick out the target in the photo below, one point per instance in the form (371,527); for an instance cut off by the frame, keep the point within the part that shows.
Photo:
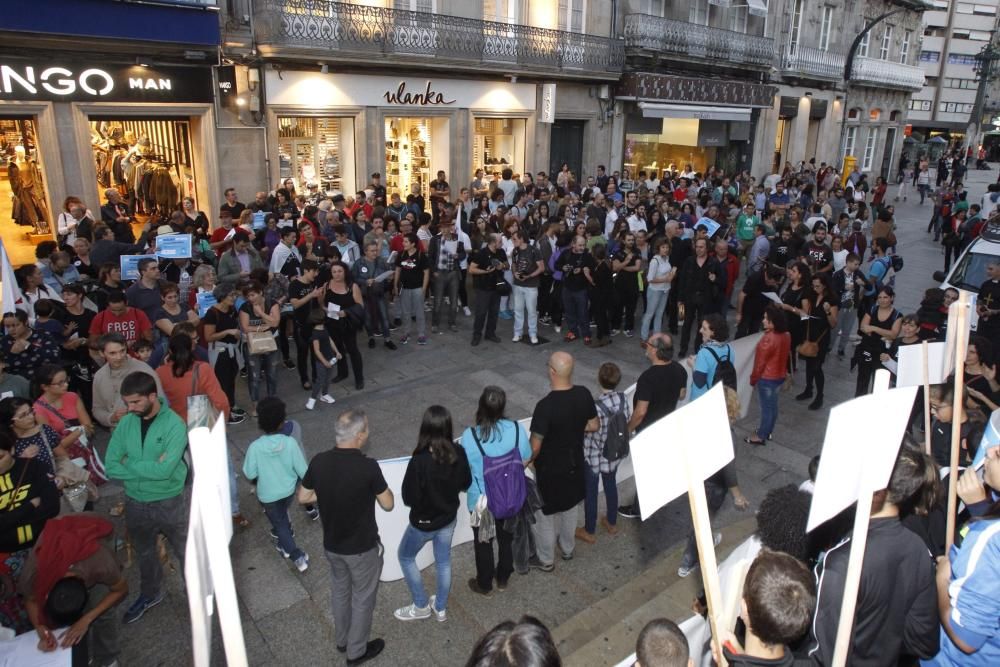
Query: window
(414,5)
(984,10)
(863,46)
(954,107)
(960,34)
(795,30)
(979,36)
(869,156)
(571,15)
(738,19)
(883,52)
(652,7)
(825,27)
(930,56)
(965,84)
(960,59)
(849,139)
(501,11)
(697,12)
(904,48)
(920,105)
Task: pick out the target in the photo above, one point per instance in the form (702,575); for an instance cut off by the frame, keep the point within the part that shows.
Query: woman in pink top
(65,413)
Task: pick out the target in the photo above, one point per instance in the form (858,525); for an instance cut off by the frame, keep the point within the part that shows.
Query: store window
(415,150)
(25,219)
(313,149)
(655,144)
(498,144)
(149,161)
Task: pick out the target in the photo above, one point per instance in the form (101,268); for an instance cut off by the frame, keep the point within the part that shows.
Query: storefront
(672,121)
(337,129)
(78,129)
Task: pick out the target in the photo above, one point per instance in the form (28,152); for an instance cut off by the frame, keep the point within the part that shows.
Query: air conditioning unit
(604,92)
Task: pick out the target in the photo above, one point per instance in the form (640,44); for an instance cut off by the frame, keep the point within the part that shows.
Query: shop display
(24,177)
(309,151)
(149,162)
(408,155)
(498,143)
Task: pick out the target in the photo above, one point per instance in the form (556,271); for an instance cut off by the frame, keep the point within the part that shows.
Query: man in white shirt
(508,186)
(286,258)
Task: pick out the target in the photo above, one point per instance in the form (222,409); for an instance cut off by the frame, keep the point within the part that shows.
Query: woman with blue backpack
(437,472)
(497,449)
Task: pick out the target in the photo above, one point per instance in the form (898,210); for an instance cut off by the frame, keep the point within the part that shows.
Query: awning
(657,110)
(757,7)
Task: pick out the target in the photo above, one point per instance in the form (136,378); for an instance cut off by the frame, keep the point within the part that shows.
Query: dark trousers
(346,340)
(866,373)
(283,336)
(376,315)
(951,251)
(748,326)
(144,522)
(486,566)
(303,350)
(544,294)
(487,311)
(463,292)
(693,315)
(715,494)
(627,297)
(577,317)
(814,372)
(226,371)
(672,310)
(555,303)
(603,308)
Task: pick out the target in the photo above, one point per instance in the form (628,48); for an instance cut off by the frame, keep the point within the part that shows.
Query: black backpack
(897,263)
(616,441)
(725,371)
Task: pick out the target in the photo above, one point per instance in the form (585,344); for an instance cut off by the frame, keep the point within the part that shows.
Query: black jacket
(696,288)
(430,489)
(896,619)
(434,252)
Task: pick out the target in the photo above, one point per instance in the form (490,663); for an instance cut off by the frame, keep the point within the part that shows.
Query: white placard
(838,481)
(910,371)
(22,651)
(333,311)
(773,296)
(702,426)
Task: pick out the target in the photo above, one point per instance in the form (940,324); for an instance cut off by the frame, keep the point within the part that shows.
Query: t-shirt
(146,299)
(525,263)
(219,234)
(254,319)
(346,483)
(745,225)
(661,387)
(297,290)
(325,346)
(560,418)
(572,265)
(819,254)
(223,321)
(132,324)
(484,259)
(411,270)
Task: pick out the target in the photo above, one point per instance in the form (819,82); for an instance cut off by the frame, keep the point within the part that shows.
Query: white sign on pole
(910,366)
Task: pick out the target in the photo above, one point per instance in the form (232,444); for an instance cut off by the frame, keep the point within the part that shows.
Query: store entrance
(415,150)
(566,147)
(25,219)
(149,161)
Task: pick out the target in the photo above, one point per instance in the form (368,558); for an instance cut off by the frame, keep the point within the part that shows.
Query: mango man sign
(103,83)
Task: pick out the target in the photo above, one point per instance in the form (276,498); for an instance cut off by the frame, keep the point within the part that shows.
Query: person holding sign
(879,328)
(896,618)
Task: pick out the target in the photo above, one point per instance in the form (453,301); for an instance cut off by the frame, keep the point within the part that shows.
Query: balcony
(809,63)
(887,74)
(646,33)
(324,28)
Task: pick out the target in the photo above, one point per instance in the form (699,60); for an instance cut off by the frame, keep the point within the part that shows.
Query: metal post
(984,60)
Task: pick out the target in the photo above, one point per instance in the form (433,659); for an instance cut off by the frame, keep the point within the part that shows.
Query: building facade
(79,108)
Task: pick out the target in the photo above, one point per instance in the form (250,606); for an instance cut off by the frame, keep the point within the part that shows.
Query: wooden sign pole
(927,402)
(859,541)
(706,550)
(961,335)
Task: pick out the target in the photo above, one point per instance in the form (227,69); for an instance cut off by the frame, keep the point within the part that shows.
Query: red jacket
(770,360)
(732,265)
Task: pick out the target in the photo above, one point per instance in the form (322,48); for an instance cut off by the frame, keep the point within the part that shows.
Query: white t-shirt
(508,188)
(840,259)
(658,268)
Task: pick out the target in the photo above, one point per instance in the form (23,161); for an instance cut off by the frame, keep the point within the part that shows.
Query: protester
(108,405)
(527,642)
(603,451)
(824,313)
(879,328)
(437,472)
(770,369)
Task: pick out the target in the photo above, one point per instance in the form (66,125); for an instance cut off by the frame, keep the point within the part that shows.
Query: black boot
(817,402)
(808,393)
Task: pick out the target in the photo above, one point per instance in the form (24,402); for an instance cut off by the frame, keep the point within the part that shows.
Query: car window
(970,272)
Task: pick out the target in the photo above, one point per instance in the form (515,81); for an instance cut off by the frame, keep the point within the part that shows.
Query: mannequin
(26,186)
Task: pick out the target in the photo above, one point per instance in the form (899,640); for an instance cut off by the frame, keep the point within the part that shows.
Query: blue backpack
(504,477)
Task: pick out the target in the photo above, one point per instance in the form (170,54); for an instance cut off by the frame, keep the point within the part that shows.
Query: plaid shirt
(593,443)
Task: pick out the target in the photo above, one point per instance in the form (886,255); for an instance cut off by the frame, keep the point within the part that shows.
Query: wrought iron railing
(885,73)
(652,33)
(807,62)
(343,26)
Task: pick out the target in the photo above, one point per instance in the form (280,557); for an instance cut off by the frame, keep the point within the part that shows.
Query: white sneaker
(327,398)
(442,615)
(310,404)
(412,612)
(302,562)
(534,340)
(468,313)
(558,329)
(516,339)
(716,539)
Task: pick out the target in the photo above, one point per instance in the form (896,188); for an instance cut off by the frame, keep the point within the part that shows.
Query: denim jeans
(767,392)
(413,541)
(577,317)
(269,362)
(376,315)
(652,319)
(277,514)
(525,299)
(590,479)
(847,321)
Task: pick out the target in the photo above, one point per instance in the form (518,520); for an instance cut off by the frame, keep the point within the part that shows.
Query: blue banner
(205,300)
(174,246)
(130,265)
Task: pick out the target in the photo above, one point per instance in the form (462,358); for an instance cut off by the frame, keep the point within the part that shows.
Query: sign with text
(173,246)
(548,103)
(104,83)
(130,265)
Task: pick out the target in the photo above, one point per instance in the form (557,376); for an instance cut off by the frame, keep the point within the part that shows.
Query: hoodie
(430,489)
(277,463)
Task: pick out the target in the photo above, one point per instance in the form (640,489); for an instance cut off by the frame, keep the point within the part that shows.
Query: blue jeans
(590,479)
(269,362)
(767,392)
(577,317)
(412,542)
(652,318)
(277,514)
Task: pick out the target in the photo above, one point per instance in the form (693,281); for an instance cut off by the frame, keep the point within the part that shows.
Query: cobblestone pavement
(286,616)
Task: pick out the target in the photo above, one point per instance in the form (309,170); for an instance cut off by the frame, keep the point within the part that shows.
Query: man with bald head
(557,428)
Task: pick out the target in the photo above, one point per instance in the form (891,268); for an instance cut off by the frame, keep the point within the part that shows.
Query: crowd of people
(809,257)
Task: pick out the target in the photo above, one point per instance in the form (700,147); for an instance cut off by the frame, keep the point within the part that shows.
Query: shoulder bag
(810,348)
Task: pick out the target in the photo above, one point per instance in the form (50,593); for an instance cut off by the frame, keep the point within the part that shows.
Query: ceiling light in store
(241,102)
(142,61)
(324,69)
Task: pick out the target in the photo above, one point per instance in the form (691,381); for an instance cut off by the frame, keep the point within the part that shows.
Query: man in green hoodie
(146,454)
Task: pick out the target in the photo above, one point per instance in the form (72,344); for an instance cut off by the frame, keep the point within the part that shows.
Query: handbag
(810,348)
(503,287)
(261,342)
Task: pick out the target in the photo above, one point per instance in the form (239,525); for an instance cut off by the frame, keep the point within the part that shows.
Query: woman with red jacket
(770,366)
